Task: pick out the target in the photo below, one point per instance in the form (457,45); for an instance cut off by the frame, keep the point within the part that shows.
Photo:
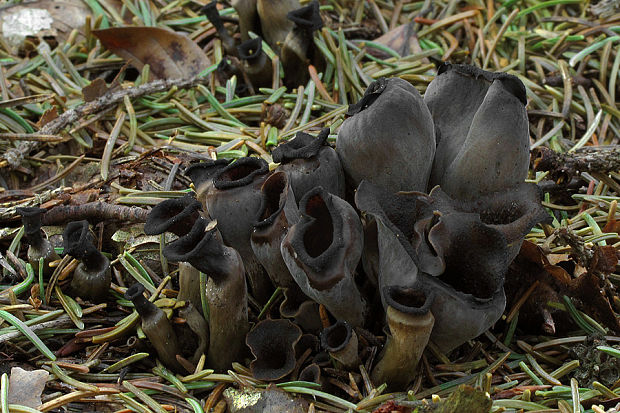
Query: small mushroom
(213,15)
(178,216)
(410,323)
(389,138)
(38,244)
(226,291)
(298,49)
(340,341)
(248,17)
(273,344)
(304,312)
(309,162)
(482,130)
(322,251)
(156,327)
(273,20)
(311,373)
(277,213)
(256,65)
(92,277)
(234,200)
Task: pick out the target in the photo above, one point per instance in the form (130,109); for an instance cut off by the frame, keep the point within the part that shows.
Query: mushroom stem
(156,327)
(189,285)
(341,342)
(226,290)
(92,277)
(410,322)
(39,246)
(256,64)
(248,17)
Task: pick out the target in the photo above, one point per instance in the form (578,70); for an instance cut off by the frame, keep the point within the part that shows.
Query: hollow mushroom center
(320,234)
(274,192)
(337,336)
(238,173)
(409,298)
(274,356)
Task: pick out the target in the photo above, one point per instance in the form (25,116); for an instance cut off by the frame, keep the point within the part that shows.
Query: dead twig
(93,211)
(563,166)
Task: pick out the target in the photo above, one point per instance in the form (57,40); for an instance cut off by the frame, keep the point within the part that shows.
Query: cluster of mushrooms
(406,229)
(285,26)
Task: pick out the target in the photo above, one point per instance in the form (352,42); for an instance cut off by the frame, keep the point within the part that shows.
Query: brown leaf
(587,288)
(48,116)
(170,55)
(25,387)
(94,90)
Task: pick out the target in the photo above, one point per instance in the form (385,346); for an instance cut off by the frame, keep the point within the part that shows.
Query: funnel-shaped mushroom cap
(234,200)
(459,316)
(31,219)
(278,212)
(251,50)
(310,162)
(213,15)
(92,277)
(389,139)
(202,174)
(273,344)
(174,215)
(248,17)
(303,311)
(410,323)
(203,248)
(273,19)
(307,17)
(257,66)
(142,305)
(341,342)
(311,373)
(76,239)
(481,129)
(322,252)
(39,246)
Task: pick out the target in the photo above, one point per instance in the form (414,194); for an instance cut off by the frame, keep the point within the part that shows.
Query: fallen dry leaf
(170,55)
(26,387)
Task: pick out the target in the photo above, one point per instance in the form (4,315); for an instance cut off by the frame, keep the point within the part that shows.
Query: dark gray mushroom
(322,252)
(340,341)
(273,344)
(481,128)
(256,65)
(38,244)
(389,138)
(233,200)
(92,277)
(273,20)
(309,162)
(226,290)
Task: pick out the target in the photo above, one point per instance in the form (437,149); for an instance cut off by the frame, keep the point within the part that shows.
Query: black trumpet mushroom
(322,251)
(309,162)
(92,277)
(298,49)
(340,341)
(178,216)
(213,15)
(248,17)
(410,323)
(157,328)
(226,290)
(256,65)
(38,244)
(389,138)
(459,316)
(234,200)
(481,129)
(273,344)
(273,20)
